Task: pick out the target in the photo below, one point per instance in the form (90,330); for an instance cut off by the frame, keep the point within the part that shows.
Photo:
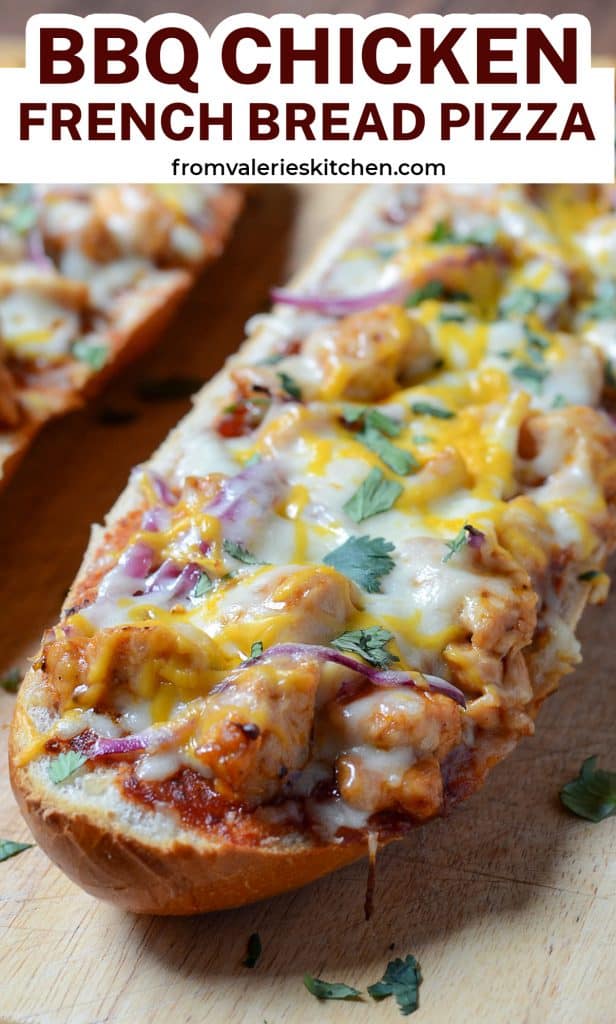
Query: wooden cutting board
(509,905)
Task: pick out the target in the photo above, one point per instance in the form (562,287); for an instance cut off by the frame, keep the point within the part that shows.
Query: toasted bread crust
(157,309)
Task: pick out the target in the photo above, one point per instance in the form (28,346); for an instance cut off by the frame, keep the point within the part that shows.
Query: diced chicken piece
(392,742)
(256,728)
(128,220)
(139,657)
(291,604)
(367,356)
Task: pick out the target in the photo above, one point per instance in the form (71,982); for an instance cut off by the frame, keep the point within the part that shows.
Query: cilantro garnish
(253,950)
(376,429)
(531,375)
(65,765)
(434,290)
(164,389)
(8,848)
(443,234)
(535,343)
(93,353)
(369,643)
(365,560)
(591,574)
(430,290)
(256,649)
(525,300)
(202,586)
(396,459)
(604,306)
(329,989)
(236,550)
(11,680)
(593,794)
(402,979)
(559,401)
(372,418)
(24,219)
(376,494)
(452,316)
(289,386)
(272,360)
(460,540)
(428,409)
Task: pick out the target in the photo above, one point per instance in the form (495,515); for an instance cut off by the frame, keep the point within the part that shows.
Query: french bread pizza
(89,278)
(340,591)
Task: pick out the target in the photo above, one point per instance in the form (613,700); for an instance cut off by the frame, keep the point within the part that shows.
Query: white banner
(461,98)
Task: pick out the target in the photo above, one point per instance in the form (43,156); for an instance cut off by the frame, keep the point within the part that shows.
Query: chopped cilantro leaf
(202,586)
(11,680)
(430,290)
(591,574)
(593,794)
(272,360)
(461,539)
(531,375)
(559,401)
(374,495)
(93,353)
(365,560)
(402,979)
(525,300)
(428,409)
(422,439)
(238,551)
(452,316)
(65,765)
(8,848)
(372,418)
(609,374)
(397,459)
(441,233)
(257,649)
(289,386)
(369,643)
(253,950)
(329,989)
(604,306)
(24,219)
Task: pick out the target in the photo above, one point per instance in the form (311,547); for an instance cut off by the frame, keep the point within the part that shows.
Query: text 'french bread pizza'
(340,591)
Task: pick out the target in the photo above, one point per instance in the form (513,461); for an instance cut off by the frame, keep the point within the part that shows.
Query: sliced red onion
(35,249)
(340,305)
(156,519)
(245,498)
(150,739)
(172,580)
(447,689)
(132,568)
(162,489)
(378,677)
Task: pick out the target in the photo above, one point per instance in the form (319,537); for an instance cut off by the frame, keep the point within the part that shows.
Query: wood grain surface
(509,904)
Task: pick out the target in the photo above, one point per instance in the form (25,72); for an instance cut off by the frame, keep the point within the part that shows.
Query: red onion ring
(341,305)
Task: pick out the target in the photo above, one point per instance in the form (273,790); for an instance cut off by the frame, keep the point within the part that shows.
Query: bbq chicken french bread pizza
(340,591)
(90,275)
